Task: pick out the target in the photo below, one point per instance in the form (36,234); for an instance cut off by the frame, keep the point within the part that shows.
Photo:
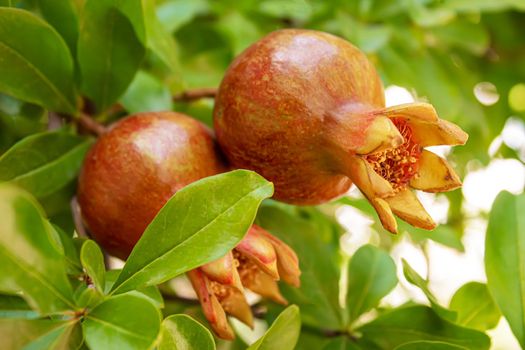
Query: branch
(196,94)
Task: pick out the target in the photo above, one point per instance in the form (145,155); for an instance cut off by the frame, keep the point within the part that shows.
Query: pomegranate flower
(256,263)
(393,161)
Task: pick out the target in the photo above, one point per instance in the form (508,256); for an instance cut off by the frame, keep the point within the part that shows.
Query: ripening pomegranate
(132,171)
(306,110)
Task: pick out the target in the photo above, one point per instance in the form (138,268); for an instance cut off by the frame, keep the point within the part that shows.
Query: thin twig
(89,124)
(196,94)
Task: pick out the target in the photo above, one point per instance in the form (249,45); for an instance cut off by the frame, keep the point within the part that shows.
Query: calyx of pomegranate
(256,263)
(391,160)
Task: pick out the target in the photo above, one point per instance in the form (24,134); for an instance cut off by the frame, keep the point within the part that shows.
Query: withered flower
(256,263)
(396,162)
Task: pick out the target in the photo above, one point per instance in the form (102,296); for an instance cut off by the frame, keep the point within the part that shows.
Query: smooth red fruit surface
(132,171)
(280,106)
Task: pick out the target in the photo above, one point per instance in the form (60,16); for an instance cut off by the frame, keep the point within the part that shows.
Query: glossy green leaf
(413,277)
(199,224)
(125,322)
(341,343)
(87,296)
(181,332)
(371,276)
(150,292)
(62,15)
(21,118)
(16,333)
(430,345)
(283,333)
(505,259)
(93,263)
(28,72)
(14,306)
(71,252)
(30,256)
(315,239)
(66,337)
(475,307)
(413,323)
(43,163)
(109,52)
(146,94)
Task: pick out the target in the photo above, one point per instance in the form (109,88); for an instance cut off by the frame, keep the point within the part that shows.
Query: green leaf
(86,296)
(62,15)
(475,307)
(418,322)
(109,52)
(413,277)
(71,253)
(43,163)
(442,234)
(371,276)
(505,259)
(14,306)
(29,72)
(66,337)
(199,224)
(181,332)
(15,333)
(93,263)
(30,255)
(126,321)
(146,94)
(283,333)
(429,345)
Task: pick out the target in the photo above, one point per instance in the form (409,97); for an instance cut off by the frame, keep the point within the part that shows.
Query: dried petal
(224,271)
(287,261)
(210,305)
(256,247)
(435,174)
(406,205)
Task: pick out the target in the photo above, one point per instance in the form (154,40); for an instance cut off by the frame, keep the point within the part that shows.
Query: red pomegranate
(132,171)
(306,110)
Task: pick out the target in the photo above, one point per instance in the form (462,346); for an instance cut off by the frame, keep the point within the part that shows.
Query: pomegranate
(306,110)
(132,171)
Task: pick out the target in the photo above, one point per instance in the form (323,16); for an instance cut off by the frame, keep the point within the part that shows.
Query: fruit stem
(195,94)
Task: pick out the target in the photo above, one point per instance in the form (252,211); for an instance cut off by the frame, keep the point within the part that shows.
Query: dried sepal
(406,205)
(259,282)
(211,307)
(223,271)
(287,261)
(435,174)
(257,248)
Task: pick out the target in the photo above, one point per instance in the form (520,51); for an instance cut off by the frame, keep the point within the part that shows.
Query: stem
(89,124)
(196,94)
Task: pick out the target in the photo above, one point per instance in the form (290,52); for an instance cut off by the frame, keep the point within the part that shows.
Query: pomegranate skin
(286,108)
(132,171)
